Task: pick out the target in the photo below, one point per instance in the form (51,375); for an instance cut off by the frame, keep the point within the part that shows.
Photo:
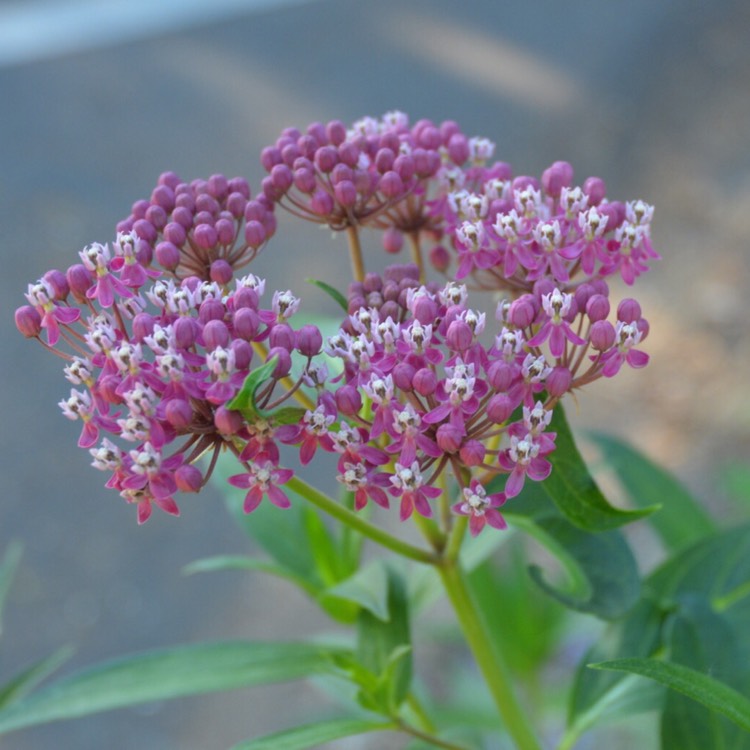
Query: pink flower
(262,479)
(480,507)
(522,459)
(408,484)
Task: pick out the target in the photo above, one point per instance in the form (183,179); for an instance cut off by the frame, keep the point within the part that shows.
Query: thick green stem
(355,253)
(485,653)
(350,518)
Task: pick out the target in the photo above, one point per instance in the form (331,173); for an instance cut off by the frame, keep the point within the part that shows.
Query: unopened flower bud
(188,478)
(595,189)
(500,376)
(403,376)
(424,381)
(167,255)
(228,421)
(348,400)
(602,335)
(179,413)
(449,438)
(558,381)
(459,336)
(522,311)
(499,408)
(472,453)
(58,282)
(215,334)
(28,321)
(243,353)
(393,240)
(597,308)
(185,332)
(440,258)
(309,340)
(246,323)
(79,280)
(282,336)
(628,311)
(221,272)
(556,177)
(283,361)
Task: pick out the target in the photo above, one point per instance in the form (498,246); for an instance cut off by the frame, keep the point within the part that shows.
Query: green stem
(355,253)
(416,252)
(489,661)
(426,737)
(330,506)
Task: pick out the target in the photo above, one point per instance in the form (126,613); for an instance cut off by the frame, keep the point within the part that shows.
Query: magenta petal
(66,314)
(407,506)
(515,482)
(277,497)
(422,506)
(162,485)
(495,519)
(539,469)
(239,480)
(252,499)
(378,496)
(636,358)
(144,511)
(89,435)
(168,505)
(476,523)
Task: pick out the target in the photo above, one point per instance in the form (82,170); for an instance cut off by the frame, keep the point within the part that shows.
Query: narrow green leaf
(574,491)
(681,519)
(313,735)
(696,685)
(244,400)
(22,684)
(285,415)
(167,674)
(368,588)
(7,571)
(335,294)
(602,575)
(377,640)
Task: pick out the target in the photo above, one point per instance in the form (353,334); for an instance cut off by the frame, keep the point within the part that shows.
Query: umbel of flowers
(174,352)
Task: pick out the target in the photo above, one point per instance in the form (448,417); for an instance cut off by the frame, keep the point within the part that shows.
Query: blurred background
(98,97)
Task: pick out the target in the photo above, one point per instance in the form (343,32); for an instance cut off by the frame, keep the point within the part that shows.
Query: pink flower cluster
(160,337)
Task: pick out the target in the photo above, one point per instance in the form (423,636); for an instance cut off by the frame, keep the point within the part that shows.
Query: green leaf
(244,400)
(26,681)
(696,685)
(601,572)
(599,696)
(507,581)
(681,520)
(573,490)
(313,735)
(368,588)
(378,640)
(335,294)
(167,674)
(7,571)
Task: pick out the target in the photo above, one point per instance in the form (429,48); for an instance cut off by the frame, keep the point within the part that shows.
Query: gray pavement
(652,96)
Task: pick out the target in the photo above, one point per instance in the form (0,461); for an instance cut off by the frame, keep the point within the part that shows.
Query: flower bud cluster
(377,172)
(188,227)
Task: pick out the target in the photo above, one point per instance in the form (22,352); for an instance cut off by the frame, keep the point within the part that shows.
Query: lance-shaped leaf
(601,573)
(574,491)
(698,686)
(681,520)
(332,292)
(166,674)
(244,400)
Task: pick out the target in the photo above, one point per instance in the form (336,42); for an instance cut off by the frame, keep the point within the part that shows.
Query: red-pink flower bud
(349,153)
(346,193)
(449,438)
(283,361)
(596,190)
(424,381)
(270,157)
(227,421)
(145,230)
(188,478)
(500,376)
(321,203)
(348,400)
(425,310)
(522,311)
(597,308)
(221,272)
(440,258)
(205,236)
(282,336)
(28,321)
(628,311)
(304,180)
(558,381)
(403,376)
(143,325)
(215,334)
(336,132)
(499,408)
(211,309)
(459,336)
(167,255)
(79,280)
(556,177)
(458,148)
(602,335)
(391,185)
(185,332)
(282,177)
(243,353)
(309,340)
(179,413)
(405,166)
(56,279)
(472,453)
